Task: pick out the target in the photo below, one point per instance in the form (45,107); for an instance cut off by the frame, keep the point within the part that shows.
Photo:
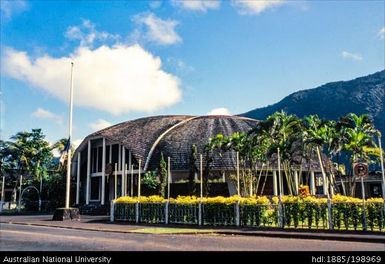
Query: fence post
(166,213)
(137,212)
(237,220)
(112,211)
(200,213)
(330,212)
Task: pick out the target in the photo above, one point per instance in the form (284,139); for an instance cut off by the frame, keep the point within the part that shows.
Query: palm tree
(357,134)
(284,133)
(321,134)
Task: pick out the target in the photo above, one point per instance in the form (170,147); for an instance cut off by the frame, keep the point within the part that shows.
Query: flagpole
(68,182)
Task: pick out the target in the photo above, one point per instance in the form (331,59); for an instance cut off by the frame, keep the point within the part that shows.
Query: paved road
(15,237)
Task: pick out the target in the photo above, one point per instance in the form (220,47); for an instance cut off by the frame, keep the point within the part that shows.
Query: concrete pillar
(123,183)
(110,155)
(103,171)
(312,183)
(132,181)
(78,179)
(88,172)
(325,184)
(116,182)
(275,183)
(139,178)
(119,156)
(129,159)
(296,182)
(125,179)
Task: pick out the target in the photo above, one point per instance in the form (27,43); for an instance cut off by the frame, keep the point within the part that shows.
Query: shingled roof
(174,136)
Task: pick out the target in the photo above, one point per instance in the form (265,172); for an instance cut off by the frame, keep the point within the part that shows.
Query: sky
(141,58)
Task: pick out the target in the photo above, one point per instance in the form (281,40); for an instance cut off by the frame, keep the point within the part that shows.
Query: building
(134,147)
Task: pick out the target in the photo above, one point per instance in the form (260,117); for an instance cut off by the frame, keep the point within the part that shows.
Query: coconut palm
(322,136)
(356,133)
(284,133)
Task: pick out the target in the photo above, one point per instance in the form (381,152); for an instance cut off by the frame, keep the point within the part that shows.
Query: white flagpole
(67,204)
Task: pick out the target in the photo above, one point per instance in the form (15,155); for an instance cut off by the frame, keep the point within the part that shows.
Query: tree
(357,134)
(320,134)
(29,152)
(285,132)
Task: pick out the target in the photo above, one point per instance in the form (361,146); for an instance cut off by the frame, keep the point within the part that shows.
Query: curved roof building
(126,145)
(146,138)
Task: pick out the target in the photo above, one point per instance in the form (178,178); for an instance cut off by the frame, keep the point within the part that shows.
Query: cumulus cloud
(157,30)
(253,7)
(100,124)
(381,33)
(351,56)
(197,5)
(116,79)
(45,114)
(12,7)
(87,34)
(219,111)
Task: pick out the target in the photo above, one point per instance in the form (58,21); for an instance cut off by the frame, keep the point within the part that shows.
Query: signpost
(361,170)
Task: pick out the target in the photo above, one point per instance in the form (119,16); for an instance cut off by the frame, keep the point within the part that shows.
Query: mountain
(364,95)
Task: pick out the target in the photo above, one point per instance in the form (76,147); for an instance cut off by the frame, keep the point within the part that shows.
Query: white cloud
(219,111)
(155,4)
(45,114)
(100,124)
(87,34)
(116,79)
(197,5)
(159,31)
(351,56)
(252,7)
(11,7)
(381,33)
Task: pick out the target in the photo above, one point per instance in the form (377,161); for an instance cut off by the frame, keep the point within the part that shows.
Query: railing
(183,213)
(296,215)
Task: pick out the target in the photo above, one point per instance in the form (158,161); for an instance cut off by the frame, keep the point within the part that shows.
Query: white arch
(160,138)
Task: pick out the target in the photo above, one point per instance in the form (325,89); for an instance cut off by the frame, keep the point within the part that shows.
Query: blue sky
(141,58)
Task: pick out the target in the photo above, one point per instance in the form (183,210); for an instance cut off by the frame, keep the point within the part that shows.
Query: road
(15,237)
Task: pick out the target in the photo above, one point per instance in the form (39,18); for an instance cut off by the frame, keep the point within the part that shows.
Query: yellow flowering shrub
(375,200)
(255,200)
(126,199)
(185,200)
(313,199)
(143,199)
(345,199)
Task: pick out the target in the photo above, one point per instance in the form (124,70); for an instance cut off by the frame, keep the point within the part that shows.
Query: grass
(169,230)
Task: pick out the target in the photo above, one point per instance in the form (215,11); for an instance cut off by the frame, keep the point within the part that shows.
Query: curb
(277,234)
(380,240)
(106,230)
